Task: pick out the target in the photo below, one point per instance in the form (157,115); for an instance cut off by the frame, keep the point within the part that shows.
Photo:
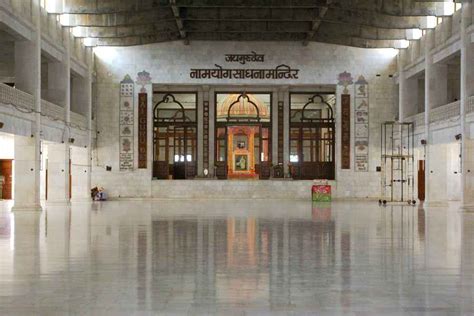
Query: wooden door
(421,180)
(221,153)
(6,171)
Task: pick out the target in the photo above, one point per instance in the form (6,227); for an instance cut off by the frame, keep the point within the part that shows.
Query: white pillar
(80,174)
(428,64)
(284,95)
(467,80)
(59,154)
(27,174)
(88,167)
(401,89)
(212,136)
(58,174)
(27,150)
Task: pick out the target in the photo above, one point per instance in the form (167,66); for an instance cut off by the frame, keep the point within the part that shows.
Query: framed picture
(240,141)
(241,162)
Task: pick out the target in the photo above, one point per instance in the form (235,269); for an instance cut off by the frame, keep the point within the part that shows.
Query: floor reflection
(237,257)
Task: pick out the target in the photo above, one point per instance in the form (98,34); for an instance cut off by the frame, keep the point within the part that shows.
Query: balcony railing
(52,110)
(9,95)
(418,120)
(470,104)
(78,119)
(445,112)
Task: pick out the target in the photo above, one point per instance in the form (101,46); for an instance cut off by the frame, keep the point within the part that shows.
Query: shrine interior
(236,157)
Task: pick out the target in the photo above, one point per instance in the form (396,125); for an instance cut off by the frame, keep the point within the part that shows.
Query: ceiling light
(402,44)
(430,22)
(414,34)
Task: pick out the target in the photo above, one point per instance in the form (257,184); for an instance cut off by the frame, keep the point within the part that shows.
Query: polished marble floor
(236,258)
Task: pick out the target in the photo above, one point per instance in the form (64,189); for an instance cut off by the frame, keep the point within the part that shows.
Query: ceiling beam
(177,17)
(118,19)
(317,22)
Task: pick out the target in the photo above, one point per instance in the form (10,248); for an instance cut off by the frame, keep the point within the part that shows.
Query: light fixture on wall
(423,142)
(1,124)
(71,140)
(458,137)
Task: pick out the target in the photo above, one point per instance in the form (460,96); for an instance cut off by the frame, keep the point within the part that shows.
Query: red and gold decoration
(241,162)
(142,130)
(345,131)
(321,193)
(244,109)
(205,142)
(280,132)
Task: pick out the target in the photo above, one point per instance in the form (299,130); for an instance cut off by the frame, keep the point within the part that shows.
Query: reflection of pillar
(251,241)
(274,297)
(211,273)
(199,273)
(230,240)
(142,247)
(171,254)
(26,243)
(286,263)
(346,269)
(466,279)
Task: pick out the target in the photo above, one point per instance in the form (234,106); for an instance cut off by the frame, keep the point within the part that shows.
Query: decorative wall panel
(142,130)
(126,124)
(280,131)
(361,124)
(205,142)
(345,131)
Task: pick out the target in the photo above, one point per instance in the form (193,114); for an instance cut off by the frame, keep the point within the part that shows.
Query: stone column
(467,90)
(27,150)
(27,174)
(80,174)
(284,95)
(274,111)
(212,136)
(26,242)
(58,174)
(88,163)
(401,89)
(428,65)
(59,154)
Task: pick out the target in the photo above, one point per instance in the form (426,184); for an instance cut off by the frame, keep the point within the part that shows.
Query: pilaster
(467,89)
(58,174)
(27,150)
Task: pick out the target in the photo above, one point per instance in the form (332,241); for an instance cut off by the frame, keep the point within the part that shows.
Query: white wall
(7,148)
(170,63)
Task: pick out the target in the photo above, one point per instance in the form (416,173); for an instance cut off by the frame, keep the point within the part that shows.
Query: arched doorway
(312,137)
(243,135)
(174,135)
